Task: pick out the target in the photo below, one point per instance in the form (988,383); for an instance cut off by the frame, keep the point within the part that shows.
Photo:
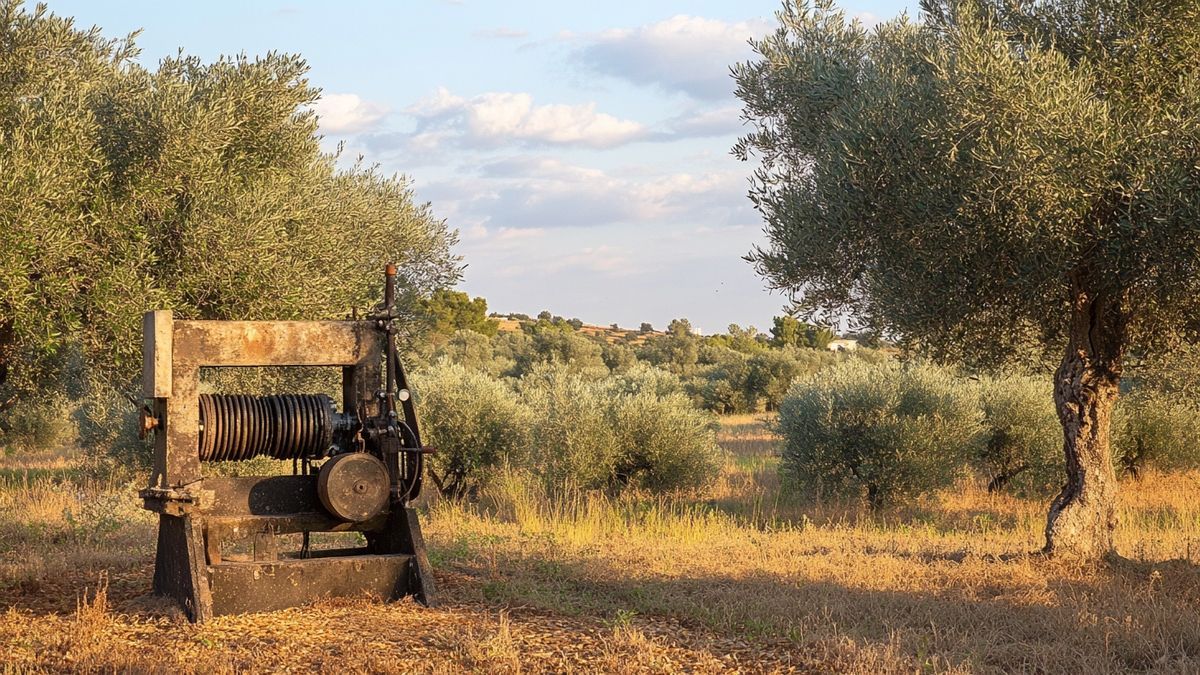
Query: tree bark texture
(1083,516)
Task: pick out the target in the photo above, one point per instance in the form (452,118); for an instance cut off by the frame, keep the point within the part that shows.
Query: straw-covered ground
(741,578)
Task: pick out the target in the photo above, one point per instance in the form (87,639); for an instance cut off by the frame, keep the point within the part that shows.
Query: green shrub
(770,373)
(1155,429)
(880,431)
(108,425)
(477,423)
(1175,371)
(633,430)
(37,425)
(664,442)
(473,350)
(559,344)
(1022,444)
(510,352)
(871,355)
(677,350)
(617,356)
(575,442)
(642,377)
(720,385)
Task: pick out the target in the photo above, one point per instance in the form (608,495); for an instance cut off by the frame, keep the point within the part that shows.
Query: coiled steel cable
(284,426)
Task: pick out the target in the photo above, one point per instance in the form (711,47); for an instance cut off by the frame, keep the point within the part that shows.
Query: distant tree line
(739,371)
(861,424)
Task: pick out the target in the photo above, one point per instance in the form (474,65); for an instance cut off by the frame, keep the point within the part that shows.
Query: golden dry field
(743,578)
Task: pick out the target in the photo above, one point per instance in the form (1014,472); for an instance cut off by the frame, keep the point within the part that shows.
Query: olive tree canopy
(199,187)
(996,174)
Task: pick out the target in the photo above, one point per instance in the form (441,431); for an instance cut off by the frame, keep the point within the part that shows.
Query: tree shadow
(1177,578)
(1111,622)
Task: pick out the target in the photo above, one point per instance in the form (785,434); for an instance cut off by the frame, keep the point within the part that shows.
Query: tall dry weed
(492,652)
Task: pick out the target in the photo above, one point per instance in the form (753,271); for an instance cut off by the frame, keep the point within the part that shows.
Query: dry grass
(744,577)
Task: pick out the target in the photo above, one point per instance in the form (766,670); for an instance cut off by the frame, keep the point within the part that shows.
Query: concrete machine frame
(371,453)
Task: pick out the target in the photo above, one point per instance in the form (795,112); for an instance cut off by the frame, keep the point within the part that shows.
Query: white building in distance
(842,345)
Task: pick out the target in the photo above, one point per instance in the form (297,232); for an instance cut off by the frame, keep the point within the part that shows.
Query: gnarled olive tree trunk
(1083,516)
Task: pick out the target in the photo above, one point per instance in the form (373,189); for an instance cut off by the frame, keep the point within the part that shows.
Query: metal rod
(387,405)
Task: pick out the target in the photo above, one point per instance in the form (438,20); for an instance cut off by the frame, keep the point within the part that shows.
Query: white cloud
(556,231)
(473,232)
(867,19)
(513,233)
(539,167)
(683,53)
(440,102)
(496,118)
(348,113)
(604,258)
(524,196)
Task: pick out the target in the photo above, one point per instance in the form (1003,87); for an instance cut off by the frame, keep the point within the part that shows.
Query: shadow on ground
(1125,615)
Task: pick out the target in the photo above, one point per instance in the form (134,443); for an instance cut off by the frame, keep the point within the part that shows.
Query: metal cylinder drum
(284,426)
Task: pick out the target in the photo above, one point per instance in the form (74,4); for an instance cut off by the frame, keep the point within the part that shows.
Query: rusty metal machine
(355,470)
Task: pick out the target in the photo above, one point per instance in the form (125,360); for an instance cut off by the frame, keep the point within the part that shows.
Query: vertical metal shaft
(387,405)
(389,288)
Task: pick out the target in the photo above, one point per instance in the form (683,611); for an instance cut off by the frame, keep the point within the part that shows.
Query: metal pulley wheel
(353,486)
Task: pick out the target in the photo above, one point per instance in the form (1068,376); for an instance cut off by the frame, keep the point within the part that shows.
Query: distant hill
(507,324)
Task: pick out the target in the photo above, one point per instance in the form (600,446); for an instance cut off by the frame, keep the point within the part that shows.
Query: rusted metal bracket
(169,501)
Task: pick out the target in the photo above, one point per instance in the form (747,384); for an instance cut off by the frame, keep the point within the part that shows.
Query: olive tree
(476,422)
(1154,430)
(199,187)
(999,173)
(885,432)
(1019,449)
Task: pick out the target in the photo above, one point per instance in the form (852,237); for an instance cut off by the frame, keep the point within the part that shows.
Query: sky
(580,149)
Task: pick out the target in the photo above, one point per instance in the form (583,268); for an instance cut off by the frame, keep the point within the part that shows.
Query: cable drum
(284,426)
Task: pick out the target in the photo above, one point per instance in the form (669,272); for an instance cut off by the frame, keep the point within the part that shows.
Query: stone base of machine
(240,587)
(190,569)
